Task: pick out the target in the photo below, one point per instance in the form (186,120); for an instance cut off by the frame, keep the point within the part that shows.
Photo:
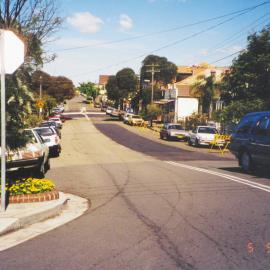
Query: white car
(109,110)
(135,120)
(126,117)
(202,135)
(50,138)
(34,155)
(57,120)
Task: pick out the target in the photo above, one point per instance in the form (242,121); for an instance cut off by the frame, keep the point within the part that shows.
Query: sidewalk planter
(31,198)
(31,190)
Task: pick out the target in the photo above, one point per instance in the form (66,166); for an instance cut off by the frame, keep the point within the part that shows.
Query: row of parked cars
(127,117)
(43,142)
(249,141)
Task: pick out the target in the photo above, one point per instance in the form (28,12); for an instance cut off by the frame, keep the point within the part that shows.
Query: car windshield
(44,131)
(208,130)
(30,136)
(47,124)
(179,127)
(136,117)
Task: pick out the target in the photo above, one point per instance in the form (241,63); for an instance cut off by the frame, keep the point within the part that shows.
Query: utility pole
(153,70)
(40,94)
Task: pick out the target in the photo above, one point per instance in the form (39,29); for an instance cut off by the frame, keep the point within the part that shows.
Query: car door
(260,141)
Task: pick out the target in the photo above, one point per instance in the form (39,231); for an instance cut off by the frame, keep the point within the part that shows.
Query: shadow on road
(146,146)
(258,173)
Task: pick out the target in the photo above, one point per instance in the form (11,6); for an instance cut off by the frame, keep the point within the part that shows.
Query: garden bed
(31,190)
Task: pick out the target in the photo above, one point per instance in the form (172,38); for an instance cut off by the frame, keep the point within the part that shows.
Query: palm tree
(206,89)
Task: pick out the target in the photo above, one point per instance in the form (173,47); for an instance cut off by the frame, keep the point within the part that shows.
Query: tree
(122,86)
(113,90)
(207,90)
(249,76)
(126,80)
(89,89)
(232,113)
(60,88)
(167,70)
(152,112)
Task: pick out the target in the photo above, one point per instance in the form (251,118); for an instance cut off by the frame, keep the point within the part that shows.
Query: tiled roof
(103,79)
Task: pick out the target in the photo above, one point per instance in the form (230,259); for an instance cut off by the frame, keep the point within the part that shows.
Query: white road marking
(86,116)
(226,176)
(79,112)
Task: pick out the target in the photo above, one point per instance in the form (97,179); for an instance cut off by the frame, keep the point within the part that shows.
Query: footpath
(21,222)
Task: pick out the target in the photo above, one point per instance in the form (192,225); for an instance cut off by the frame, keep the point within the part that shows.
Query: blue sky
(86,47)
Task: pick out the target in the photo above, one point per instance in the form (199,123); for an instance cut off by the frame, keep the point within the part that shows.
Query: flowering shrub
(29,186)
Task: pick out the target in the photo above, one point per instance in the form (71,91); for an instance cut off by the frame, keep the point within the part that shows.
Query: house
(103,80)
(180,95)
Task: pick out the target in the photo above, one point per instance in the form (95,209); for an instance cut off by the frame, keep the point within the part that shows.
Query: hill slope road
(146,214)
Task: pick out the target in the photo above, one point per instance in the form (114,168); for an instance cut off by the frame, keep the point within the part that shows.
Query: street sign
(40,104)
(11,57)
(13,51)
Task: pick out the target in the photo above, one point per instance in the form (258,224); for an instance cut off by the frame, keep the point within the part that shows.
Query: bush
(33,121)
(29,186)
(195,120)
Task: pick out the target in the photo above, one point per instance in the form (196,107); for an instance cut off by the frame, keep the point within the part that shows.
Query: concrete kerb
(19,216)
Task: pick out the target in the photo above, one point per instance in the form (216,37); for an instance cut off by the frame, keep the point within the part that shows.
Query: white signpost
(11,57)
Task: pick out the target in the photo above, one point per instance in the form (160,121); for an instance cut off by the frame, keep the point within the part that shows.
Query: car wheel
(245,161)
(197,143)
(40,171)
(47,165)
(168,137)
(189,142)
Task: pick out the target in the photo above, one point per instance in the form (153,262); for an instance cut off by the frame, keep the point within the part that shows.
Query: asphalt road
(184,211)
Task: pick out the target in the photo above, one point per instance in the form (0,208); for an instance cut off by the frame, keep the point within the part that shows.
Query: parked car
(203,135)
(173,131)
(126,116)
(50,138)
(109,110)
(34,155)
(51,124)
(250,141)
(57,120)
(135,120)
(117,113)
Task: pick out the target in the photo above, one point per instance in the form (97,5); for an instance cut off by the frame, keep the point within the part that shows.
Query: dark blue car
(250,142)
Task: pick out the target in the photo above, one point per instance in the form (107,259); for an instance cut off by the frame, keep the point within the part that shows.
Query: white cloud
(125,22)
(85,22)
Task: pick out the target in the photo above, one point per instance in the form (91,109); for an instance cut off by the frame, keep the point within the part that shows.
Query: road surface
(153,206)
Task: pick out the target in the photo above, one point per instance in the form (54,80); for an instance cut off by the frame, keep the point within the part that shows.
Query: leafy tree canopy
(249,76)
(60,88)
(167,70)
(126,81)
(121,86)
(89,89)
(113,90)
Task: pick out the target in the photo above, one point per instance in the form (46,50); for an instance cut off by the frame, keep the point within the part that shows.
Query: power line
(175,42)
(166,30)
(228,56)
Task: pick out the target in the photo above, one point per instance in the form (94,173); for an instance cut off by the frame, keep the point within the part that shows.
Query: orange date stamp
(251,248)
